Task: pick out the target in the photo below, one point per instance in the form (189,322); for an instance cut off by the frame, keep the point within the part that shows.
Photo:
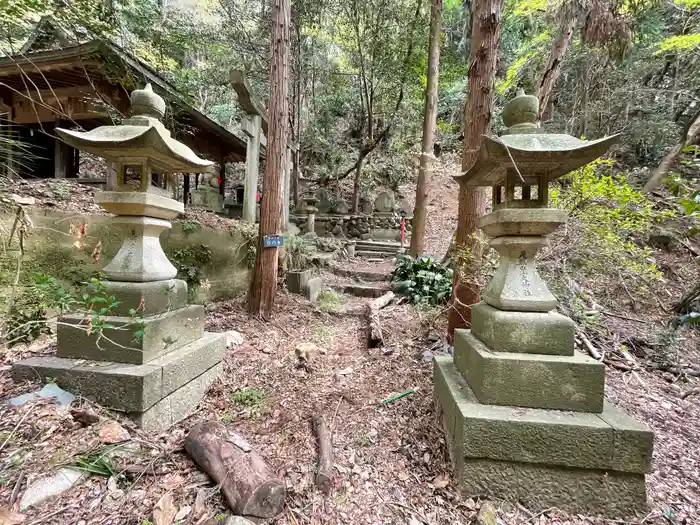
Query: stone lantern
(153,359)
(524,412)
(311,210)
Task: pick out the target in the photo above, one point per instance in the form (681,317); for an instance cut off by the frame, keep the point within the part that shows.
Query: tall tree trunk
(263,285)
(483,58)
(356,185)
(425,169)
(556,55)
(690,135)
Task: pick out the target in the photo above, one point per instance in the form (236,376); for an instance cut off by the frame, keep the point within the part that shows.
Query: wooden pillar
(111,178)
(286,166)
(252,157)
(63,161)
(186,189)
(222,177)
(76,166)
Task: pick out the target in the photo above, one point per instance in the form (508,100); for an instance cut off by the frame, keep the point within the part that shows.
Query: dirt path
(390,458)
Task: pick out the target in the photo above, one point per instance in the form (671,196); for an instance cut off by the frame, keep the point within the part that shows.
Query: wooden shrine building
(59,81)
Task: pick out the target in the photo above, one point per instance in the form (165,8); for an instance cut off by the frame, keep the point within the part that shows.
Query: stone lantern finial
(145,102)
(521,114)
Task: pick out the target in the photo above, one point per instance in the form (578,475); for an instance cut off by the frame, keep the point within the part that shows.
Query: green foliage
(330,300)
(681,43)
(254,399)
(189,263)
(423,280)
(97,463)
(615,217)
(190,227)
(297,255)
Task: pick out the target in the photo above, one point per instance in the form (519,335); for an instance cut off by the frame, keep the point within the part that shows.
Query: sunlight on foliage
(614,215)
(680,43)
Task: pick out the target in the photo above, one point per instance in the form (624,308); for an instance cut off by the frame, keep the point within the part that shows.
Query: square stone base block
(558,382)
(141,390)
(578,462)
(162,333)
(523,332)
(149,298)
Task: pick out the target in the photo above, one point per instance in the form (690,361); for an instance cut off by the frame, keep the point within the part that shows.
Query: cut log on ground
(375,339)
(324,476)
(249,485)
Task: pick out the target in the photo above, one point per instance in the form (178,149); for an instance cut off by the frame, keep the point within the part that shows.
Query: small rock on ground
(50,486)
(233,338)
(50,390)
(112,432)
(237,520)
(488,514)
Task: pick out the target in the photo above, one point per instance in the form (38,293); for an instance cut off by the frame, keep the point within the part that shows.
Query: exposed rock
(341,207)
(238,520)
(112,432)
(50,390)
(488,514)
(384,203)
(233,338)
(85,416)
(306,352)
(323,203)
(50,486)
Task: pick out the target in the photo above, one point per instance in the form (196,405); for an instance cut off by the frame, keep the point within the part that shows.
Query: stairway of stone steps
(366,281)
(377,249)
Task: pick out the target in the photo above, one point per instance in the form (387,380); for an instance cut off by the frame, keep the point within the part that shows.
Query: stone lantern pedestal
(152,360)
(524,413)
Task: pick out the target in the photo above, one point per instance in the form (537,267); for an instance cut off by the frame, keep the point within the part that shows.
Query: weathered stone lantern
(525,413)
(311,210)
(153,359)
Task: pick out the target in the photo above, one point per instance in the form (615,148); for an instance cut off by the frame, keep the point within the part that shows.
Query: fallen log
(249,485)
(375,339)
(324,475)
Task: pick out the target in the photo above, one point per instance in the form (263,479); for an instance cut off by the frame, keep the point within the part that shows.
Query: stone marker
(524,413)
(207,195)
(384,202)
(48,487)
(159,376)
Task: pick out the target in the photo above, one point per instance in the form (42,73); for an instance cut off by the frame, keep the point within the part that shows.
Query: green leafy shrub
(615,218)
(189,263)
(423,280)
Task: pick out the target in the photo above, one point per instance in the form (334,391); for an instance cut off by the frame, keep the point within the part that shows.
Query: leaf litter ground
(390,459)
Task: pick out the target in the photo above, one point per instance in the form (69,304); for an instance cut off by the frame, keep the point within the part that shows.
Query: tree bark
(483,58)
(425,169)
(356,183)
(250,486)
(691,133)
(324,475)
(556,55)
(263,285)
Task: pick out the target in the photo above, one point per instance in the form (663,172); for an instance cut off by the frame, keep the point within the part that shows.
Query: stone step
(556,382)
(377,246)
(363,290)
(128,387)
(364,275)
(371,253)
(543,457)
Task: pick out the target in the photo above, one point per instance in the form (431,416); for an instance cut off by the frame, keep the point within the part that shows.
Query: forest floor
(390,458)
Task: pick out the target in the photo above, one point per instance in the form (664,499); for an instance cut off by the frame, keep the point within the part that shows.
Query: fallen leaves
(164,512)
(441,481)
(8,517)
(112,433)
(85,416)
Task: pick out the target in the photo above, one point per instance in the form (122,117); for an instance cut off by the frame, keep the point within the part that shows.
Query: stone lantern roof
(535,154)
(139,138)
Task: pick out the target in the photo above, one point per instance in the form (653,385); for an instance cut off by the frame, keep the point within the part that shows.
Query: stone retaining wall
(381,226)
(55,247)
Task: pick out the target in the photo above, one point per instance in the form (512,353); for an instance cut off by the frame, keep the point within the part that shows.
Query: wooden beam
(246,99)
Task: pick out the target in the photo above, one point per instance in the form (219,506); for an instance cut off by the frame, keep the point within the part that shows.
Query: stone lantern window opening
(511,192)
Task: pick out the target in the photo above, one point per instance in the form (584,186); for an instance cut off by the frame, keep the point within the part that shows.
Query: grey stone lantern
(158,376)
(524,412)
(147,158)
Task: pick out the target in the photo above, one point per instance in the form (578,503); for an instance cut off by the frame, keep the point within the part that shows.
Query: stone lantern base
(526,420)
(157,378)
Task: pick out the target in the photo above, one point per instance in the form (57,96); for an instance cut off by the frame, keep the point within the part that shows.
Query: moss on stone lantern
(524,412)
(147,158)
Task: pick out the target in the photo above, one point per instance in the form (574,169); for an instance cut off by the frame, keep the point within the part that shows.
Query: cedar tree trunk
(553,69)
(483,58)
(263,285)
